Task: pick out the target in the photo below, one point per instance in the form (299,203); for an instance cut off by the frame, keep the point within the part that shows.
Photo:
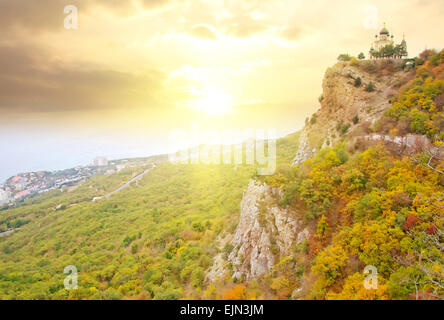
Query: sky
(134,71)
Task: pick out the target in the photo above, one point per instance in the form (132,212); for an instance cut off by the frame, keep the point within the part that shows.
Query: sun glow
(214,102)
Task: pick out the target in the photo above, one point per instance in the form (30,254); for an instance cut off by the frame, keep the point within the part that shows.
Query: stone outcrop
(265,232)
(341,101)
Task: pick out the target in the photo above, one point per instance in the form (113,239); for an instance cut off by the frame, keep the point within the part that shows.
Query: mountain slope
(153,239)
(306,232)
(371,200)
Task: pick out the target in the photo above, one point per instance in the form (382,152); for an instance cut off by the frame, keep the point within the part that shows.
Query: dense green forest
(153,239)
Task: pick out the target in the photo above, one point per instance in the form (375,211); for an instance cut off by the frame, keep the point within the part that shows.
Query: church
(383,47)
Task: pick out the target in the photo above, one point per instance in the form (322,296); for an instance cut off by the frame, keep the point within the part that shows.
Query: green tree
(321,227)
(418,120)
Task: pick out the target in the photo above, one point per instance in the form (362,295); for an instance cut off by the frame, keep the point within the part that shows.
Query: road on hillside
(4,234)
(126,185)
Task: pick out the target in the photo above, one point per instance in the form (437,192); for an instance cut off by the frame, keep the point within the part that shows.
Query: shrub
(198,276)
(330,263)
(369,206)
(341,153)
(358,82)
(355,119)
(198,227)
(342,128)
(354,62)
(111,294)
(370,87)
(313,119)
(418,120)
(17,223)
(127,241)
(419,61)
(436,59)
(361,56)
(345,128)
(344,57)
(169,294)
(227,250)
(410,222)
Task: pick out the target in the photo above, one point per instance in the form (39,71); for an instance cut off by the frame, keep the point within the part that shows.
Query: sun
(214,102)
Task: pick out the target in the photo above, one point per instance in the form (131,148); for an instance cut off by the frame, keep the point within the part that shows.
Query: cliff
(348,104)
(265,233)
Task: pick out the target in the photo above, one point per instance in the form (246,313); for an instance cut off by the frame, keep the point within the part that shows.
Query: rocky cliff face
(343,100)
(265,232)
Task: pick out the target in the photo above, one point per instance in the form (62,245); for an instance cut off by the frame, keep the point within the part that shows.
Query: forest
(366,204)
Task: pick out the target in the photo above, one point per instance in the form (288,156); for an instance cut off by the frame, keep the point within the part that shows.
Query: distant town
(26,185)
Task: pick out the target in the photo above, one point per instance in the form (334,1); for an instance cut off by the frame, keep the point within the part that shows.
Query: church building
(384,46)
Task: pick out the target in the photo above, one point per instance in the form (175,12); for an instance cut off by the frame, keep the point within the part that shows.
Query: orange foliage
(437,70)
(239,292)
(314,246)
(431,229)
(410,222)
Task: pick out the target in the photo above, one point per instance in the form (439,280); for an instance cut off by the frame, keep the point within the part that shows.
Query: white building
(5,196)
(100,161)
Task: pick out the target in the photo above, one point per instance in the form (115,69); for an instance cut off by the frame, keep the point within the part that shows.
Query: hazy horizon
(82,151)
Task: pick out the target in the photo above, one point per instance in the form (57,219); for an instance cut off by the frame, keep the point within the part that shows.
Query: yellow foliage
(239,292)
(354,289)
(330,262)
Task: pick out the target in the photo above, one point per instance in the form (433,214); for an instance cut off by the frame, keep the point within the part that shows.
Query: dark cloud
(204,32)
(32,80)
(36,15)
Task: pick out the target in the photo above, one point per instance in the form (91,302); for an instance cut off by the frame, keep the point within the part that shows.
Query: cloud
(292,33)
(150,4)
(48,15)
(243,26)
(204,31)
(33,81)
(35,15)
